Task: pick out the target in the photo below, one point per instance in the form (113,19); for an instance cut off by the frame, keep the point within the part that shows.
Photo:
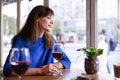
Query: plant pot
(91,66)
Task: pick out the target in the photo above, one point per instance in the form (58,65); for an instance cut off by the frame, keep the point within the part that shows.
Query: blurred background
(77,24)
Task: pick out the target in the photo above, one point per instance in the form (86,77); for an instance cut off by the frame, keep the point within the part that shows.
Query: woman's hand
(50,69)
(45,70)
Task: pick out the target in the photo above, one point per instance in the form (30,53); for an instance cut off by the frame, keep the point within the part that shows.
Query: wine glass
(19,60)
(57,53)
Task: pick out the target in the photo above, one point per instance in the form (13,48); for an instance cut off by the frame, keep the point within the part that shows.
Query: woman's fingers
(51,68)
(54,69)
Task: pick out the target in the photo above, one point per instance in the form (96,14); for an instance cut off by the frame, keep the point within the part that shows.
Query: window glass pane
(9,13)
(26,6)
(70,23)
(9,26)
(107,32)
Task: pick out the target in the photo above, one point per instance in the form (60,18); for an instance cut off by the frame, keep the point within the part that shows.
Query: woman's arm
(30,71)
(46,69)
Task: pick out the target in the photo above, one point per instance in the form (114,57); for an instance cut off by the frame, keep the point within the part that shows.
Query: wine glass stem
(58,64)
(20,77)
(58,67)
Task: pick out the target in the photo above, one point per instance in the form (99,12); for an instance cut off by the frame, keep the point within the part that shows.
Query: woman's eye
(48,17)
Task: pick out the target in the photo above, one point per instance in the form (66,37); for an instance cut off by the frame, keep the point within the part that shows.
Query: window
(9,26)
(9,13)
(108,28)
(26,6)
(70,22)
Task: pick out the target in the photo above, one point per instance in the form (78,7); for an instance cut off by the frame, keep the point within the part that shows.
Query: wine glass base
(61,74)
(54,74)
(57,74)
(20,77)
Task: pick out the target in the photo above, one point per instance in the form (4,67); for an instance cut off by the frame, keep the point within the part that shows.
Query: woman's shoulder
(18,40)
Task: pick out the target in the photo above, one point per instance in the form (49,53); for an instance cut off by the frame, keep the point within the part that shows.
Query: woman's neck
(41,33)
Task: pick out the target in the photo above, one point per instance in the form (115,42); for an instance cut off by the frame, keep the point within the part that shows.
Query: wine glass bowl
(19,60)
(57,55)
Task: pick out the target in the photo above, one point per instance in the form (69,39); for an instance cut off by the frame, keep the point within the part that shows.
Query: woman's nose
(51,21)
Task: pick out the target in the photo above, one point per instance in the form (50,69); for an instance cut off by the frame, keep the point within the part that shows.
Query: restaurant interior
(79,23)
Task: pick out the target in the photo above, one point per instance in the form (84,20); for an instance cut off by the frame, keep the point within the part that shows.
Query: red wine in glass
(57,55)
(20,67)
(19,60)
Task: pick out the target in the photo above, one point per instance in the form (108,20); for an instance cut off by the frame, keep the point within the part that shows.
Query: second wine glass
(57,53)
(19,60)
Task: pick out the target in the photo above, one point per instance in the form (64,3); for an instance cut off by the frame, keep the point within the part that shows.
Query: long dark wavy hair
(30,32)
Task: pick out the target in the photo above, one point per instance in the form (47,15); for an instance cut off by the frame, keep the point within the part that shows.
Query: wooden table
(68,74)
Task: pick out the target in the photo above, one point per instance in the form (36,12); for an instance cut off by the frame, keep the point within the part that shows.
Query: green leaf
(1,75)
(92,52)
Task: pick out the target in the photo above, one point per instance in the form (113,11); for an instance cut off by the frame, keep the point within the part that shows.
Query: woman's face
(45,23)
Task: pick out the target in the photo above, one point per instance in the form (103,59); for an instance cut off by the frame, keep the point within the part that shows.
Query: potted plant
(91,64)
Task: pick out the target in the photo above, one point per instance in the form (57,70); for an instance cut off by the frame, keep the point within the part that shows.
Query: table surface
(68,74)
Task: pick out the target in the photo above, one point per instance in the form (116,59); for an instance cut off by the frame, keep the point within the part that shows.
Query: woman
(35,36)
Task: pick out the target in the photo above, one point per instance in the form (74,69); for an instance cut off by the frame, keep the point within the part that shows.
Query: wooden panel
(90,22)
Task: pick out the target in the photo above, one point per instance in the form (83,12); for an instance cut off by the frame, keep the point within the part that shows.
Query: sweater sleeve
(65,61)
(7,68)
